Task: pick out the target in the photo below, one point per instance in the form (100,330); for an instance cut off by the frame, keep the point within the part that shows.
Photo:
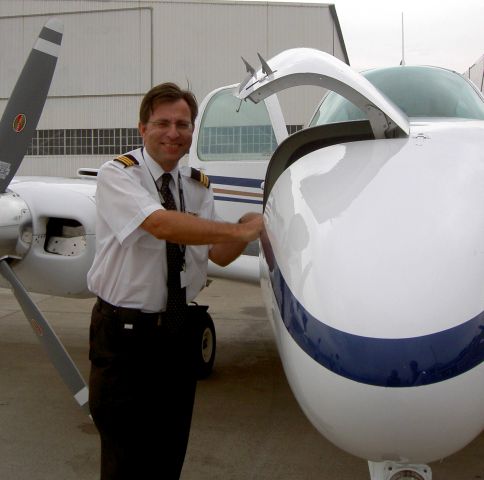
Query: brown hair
(166,92)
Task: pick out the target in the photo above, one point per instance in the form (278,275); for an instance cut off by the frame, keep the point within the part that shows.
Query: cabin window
(421,92)
(234,131)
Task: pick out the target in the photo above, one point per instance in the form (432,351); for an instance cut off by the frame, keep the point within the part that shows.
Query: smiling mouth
(172,145)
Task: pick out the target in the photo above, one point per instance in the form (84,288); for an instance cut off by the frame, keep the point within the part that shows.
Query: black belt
(129,315)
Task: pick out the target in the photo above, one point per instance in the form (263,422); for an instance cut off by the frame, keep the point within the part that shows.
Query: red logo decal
(37,327)
(19,122)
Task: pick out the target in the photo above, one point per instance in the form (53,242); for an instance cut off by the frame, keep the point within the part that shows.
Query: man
(142,381)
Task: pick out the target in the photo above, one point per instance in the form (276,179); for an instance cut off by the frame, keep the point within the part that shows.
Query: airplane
(371,262)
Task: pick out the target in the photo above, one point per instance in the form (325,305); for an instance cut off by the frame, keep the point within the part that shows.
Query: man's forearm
(178,227)
(224,253)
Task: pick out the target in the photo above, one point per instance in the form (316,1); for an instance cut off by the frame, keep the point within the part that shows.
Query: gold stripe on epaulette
(127,160)
(204,180)
(200,177)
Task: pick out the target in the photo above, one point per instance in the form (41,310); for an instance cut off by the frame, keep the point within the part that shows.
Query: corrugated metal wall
(113,52)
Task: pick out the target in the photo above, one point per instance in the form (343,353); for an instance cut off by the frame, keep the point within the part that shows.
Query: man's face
(168,133)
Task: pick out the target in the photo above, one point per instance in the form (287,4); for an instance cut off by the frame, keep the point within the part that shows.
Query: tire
(206,341)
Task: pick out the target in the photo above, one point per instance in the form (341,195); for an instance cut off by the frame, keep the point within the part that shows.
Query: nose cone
(377,267)
(15,219)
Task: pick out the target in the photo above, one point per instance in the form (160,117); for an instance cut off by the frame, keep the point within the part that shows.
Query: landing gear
(398,471)
(206,341)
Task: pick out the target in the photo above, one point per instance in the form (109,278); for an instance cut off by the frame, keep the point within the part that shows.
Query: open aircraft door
(236,132)
(306,66)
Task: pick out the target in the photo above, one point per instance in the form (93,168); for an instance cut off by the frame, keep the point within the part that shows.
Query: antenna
(403,43)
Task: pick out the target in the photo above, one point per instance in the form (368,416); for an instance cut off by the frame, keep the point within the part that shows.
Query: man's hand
(249,228)
(252,224)
(247,217)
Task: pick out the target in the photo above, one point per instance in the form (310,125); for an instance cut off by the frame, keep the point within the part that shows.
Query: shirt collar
(156,170)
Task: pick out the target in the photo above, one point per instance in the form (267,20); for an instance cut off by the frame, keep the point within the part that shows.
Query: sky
(445,33)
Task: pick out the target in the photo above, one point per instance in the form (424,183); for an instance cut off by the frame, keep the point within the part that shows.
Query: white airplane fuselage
(372,272)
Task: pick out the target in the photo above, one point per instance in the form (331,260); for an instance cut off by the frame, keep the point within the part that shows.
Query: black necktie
(175,259)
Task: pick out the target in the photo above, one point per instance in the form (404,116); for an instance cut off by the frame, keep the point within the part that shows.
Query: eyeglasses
(181,126)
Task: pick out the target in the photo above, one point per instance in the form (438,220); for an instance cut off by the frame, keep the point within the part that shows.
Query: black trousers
(141,393)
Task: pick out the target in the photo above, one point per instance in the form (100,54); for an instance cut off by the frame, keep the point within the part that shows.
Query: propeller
(48,338)
(17,126)
(22,113)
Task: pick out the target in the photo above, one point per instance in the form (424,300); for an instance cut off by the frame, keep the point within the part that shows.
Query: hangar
(114,51)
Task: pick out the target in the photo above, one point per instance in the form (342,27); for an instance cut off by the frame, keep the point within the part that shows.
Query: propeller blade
(23,110)
(49,340)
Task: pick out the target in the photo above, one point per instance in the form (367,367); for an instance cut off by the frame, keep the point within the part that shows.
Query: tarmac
(246,425)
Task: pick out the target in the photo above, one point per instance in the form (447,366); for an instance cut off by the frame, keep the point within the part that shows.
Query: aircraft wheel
(206,343)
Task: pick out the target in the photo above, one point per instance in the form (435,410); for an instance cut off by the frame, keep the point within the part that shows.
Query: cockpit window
(418,91)
(234,131)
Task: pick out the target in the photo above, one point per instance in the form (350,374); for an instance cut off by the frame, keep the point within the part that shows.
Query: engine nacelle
(49,229)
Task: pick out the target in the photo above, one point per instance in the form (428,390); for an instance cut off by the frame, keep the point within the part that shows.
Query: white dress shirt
(129,268)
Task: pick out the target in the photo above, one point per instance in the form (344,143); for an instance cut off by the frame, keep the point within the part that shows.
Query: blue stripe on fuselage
(237,200)
(236,181)
(402,362)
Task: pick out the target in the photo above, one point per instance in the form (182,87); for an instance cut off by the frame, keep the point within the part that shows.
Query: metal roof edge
(332,9)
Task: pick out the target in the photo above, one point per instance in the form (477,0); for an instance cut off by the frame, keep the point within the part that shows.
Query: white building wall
(105,59)
(113,52)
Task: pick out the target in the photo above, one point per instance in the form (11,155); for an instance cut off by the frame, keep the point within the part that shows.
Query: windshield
(418,91)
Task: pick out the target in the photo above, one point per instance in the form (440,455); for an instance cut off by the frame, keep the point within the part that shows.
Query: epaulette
(127,160)
(200,177)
